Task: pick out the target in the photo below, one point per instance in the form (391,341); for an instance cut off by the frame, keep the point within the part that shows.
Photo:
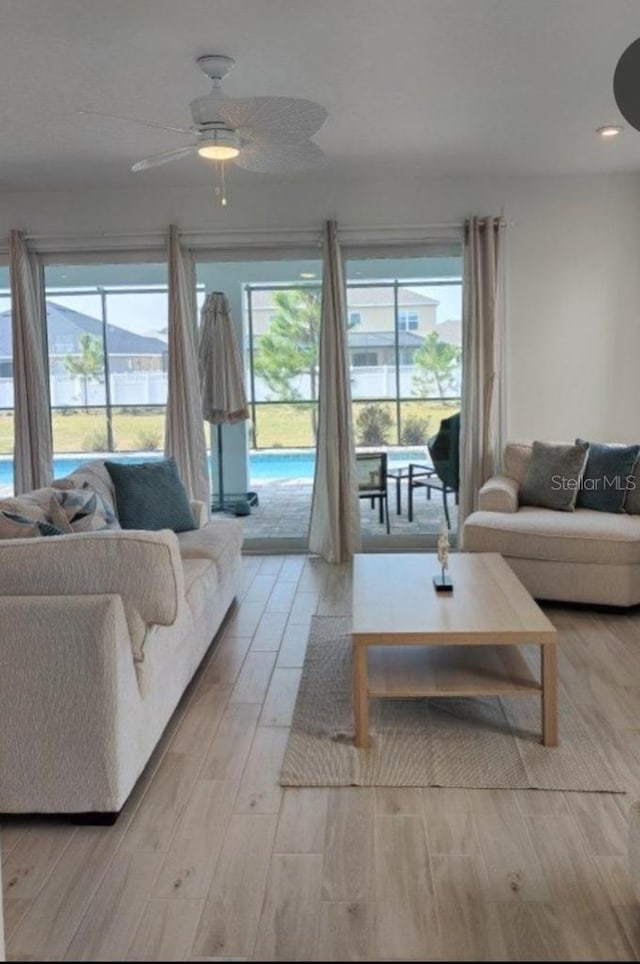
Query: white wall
(574,254)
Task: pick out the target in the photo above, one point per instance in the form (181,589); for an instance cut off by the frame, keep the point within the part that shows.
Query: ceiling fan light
(609,130)
(218,152)
(219,145)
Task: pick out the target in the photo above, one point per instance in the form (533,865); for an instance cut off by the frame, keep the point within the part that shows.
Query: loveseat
(100,633)
(584,556)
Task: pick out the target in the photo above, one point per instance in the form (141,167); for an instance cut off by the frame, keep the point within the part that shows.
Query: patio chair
(445,455)
(372,481)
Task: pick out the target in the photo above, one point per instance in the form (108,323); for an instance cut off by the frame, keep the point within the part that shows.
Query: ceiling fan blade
(271,119)
(135,120)
(163,158)
(280,159)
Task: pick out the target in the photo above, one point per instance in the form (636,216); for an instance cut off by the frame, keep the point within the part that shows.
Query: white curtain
(481,424)
(33,447)
(185,438)
(334,531)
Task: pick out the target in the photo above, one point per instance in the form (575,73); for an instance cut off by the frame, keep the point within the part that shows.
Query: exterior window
(354,318)
(364,359)
(408,320)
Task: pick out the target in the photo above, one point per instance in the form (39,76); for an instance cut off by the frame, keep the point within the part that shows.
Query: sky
(146,313)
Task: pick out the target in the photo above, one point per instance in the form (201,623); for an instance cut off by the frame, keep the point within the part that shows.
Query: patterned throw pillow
(80,510)
(32,505)
(15,526)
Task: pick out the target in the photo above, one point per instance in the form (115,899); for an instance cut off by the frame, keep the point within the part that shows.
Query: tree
(438,362)
(89,364)
(290,347)
(373,425)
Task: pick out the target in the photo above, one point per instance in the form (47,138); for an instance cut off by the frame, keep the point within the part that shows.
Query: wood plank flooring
(211,859)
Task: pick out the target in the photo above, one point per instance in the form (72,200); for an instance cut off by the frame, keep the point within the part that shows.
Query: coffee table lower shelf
(410,672)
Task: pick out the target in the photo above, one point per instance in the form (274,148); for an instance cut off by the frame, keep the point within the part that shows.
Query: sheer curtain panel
(334,531)
(481,429)
(33,455)
(185,438)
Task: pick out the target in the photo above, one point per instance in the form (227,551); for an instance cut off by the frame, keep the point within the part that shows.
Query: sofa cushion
(144,568)
(220,540)
(200,582)
(608,470)
(517,456)
(553,477)
(533,533)
(150,495)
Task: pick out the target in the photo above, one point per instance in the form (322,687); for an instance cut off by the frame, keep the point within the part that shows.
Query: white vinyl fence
(150,388)
(127,388)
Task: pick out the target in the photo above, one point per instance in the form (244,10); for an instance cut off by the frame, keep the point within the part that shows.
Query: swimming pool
(263,466)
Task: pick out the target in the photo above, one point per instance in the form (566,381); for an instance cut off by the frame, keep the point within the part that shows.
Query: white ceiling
(411,86)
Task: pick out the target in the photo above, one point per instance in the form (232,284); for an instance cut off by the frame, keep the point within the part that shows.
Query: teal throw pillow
(150,495)
(608,477)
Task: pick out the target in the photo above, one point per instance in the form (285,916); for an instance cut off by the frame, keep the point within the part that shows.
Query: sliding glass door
(405,348)
(275,306)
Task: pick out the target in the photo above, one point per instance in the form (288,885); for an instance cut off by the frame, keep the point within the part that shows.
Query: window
(354,318)
(107,338)
(364,359)
(408,320)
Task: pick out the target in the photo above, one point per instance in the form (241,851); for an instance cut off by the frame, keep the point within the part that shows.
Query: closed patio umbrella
(221,378)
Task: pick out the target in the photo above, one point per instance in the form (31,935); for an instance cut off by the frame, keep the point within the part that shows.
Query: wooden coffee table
(410,641)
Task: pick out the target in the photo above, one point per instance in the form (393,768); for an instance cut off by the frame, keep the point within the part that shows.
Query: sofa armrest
(68,695)
(499,494)
(200,512)
(143,568)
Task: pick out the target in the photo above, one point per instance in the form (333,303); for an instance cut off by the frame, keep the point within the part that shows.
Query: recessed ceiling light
(307,274)
(609,130)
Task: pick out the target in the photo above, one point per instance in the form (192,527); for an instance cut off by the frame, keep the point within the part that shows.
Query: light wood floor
(211,859)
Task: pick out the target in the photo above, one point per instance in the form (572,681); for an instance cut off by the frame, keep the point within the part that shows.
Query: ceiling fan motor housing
(204,110)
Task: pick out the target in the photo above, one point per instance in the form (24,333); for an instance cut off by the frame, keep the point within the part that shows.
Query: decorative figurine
(442,582)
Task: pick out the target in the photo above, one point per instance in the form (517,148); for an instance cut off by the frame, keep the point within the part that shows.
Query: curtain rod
(52,243)
(243,232)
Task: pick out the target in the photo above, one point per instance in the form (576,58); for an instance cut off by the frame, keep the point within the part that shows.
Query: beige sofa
(100,633)
(582,556)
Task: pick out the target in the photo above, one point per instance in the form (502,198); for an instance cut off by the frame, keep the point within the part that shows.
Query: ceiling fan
(626,84)
(270,135)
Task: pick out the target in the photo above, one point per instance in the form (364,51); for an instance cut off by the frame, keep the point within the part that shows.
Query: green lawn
(278,426)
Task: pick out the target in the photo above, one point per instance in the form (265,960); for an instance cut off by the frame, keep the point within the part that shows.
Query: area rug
(488,743)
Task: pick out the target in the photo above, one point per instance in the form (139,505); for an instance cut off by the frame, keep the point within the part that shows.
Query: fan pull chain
(221,190)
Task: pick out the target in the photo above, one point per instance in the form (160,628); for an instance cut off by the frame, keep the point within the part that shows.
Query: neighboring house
(372,336)
(127,350)
(375,348)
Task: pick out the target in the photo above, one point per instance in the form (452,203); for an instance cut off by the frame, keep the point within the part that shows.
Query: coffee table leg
(549,695)
(360,696)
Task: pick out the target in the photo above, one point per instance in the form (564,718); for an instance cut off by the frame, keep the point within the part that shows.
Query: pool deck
(285,506)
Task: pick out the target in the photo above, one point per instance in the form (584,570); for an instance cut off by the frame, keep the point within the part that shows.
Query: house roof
(65,322)
(366,297)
